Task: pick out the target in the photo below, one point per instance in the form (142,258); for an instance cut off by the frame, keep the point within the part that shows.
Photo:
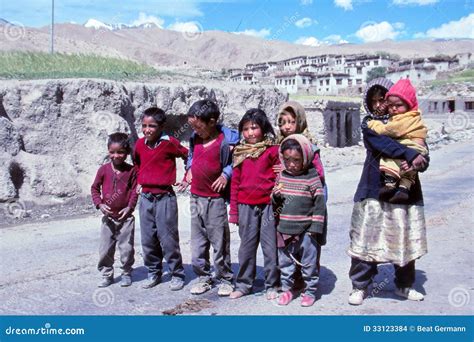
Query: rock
(55,131)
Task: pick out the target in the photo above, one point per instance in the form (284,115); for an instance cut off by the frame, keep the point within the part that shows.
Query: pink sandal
(285,298)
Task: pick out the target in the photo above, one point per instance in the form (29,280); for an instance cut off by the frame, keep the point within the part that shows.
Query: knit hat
(306,148)
(404,90)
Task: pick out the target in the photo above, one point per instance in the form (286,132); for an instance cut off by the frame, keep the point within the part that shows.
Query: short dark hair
(120,138)
(156,113)
(259,117)
(291,144)
(205,110)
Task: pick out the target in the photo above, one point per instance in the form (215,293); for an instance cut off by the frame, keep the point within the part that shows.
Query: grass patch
(39,65)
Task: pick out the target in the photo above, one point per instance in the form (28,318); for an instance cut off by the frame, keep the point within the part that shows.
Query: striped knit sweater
(300,203)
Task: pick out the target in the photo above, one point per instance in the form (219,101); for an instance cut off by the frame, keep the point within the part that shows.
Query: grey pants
(257,224)
(307,251)
(210,227)
(111,233)
(160,236)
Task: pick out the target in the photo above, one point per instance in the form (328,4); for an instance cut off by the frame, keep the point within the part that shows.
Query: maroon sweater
(206,167)
(117,190)
(253,181)
(157,166)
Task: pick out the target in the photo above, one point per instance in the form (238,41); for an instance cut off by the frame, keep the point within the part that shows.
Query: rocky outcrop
(53,133)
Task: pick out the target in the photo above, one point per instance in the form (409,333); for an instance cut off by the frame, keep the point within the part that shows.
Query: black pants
(362,274)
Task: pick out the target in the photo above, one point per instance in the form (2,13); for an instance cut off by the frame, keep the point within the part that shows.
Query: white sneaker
(357,296)
(409,293)
(224,289)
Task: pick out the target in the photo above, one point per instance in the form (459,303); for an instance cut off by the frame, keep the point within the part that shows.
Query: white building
(332,83)
(416,73)
(294,81)
(246,77)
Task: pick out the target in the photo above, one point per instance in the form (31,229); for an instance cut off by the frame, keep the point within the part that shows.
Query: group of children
(275,184)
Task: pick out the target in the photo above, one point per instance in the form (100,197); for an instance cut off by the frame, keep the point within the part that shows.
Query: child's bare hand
(105,209)
(419,163)
(124,213)
(219,184)
(277,168)
(181,187)
(189,176)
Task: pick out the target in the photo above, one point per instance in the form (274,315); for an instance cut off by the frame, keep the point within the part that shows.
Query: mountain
(96,24)
(209,49)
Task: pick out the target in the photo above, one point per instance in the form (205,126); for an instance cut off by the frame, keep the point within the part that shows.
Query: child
(253,179)
(113,192)
(155,158)
(211,169)
(406,125)
(382,232)
(299,198)
(292,120)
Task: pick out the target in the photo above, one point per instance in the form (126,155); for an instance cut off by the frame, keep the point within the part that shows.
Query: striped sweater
(300,203)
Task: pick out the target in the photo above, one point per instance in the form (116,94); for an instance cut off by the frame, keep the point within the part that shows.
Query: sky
(307,22)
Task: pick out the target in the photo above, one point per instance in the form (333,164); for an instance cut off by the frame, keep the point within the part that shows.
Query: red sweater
(157,166)
(206,167)
(117,190)
(253,181)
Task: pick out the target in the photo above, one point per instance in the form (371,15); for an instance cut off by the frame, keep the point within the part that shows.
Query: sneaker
(224,289)
(126,281)
(285,298)
(271,293)
(200,288)
(357,296)
(106,281)
(409,293)
(307,300)
(176,284)
(152,281)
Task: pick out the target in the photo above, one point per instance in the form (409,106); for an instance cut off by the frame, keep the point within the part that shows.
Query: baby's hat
(404,90)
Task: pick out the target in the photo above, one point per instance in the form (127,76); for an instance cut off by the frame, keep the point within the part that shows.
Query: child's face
(287,124)
(396,105)
(378,104)
(151,129)
(203,129)
(117,154)
(293,161)
(252,132)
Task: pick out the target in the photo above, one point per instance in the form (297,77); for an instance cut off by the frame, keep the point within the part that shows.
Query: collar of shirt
(162,137)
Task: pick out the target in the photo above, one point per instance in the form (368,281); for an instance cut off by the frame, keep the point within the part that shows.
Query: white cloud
(188,26)
(462,28)
(334,39)
(346,4)
(306,2)
(374,32)
(305,22)
(254,33)
(414,2)
(143,18)
(309,41)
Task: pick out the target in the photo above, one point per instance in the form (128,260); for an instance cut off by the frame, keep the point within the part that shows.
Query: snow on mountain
(96,24)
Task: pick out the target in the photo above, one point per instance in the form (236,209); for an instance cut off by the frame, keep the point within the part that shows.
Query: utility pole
(52,28)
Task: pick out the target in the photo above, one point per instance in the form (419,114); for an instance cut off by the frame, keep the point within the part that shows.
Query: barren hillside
(209,49)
